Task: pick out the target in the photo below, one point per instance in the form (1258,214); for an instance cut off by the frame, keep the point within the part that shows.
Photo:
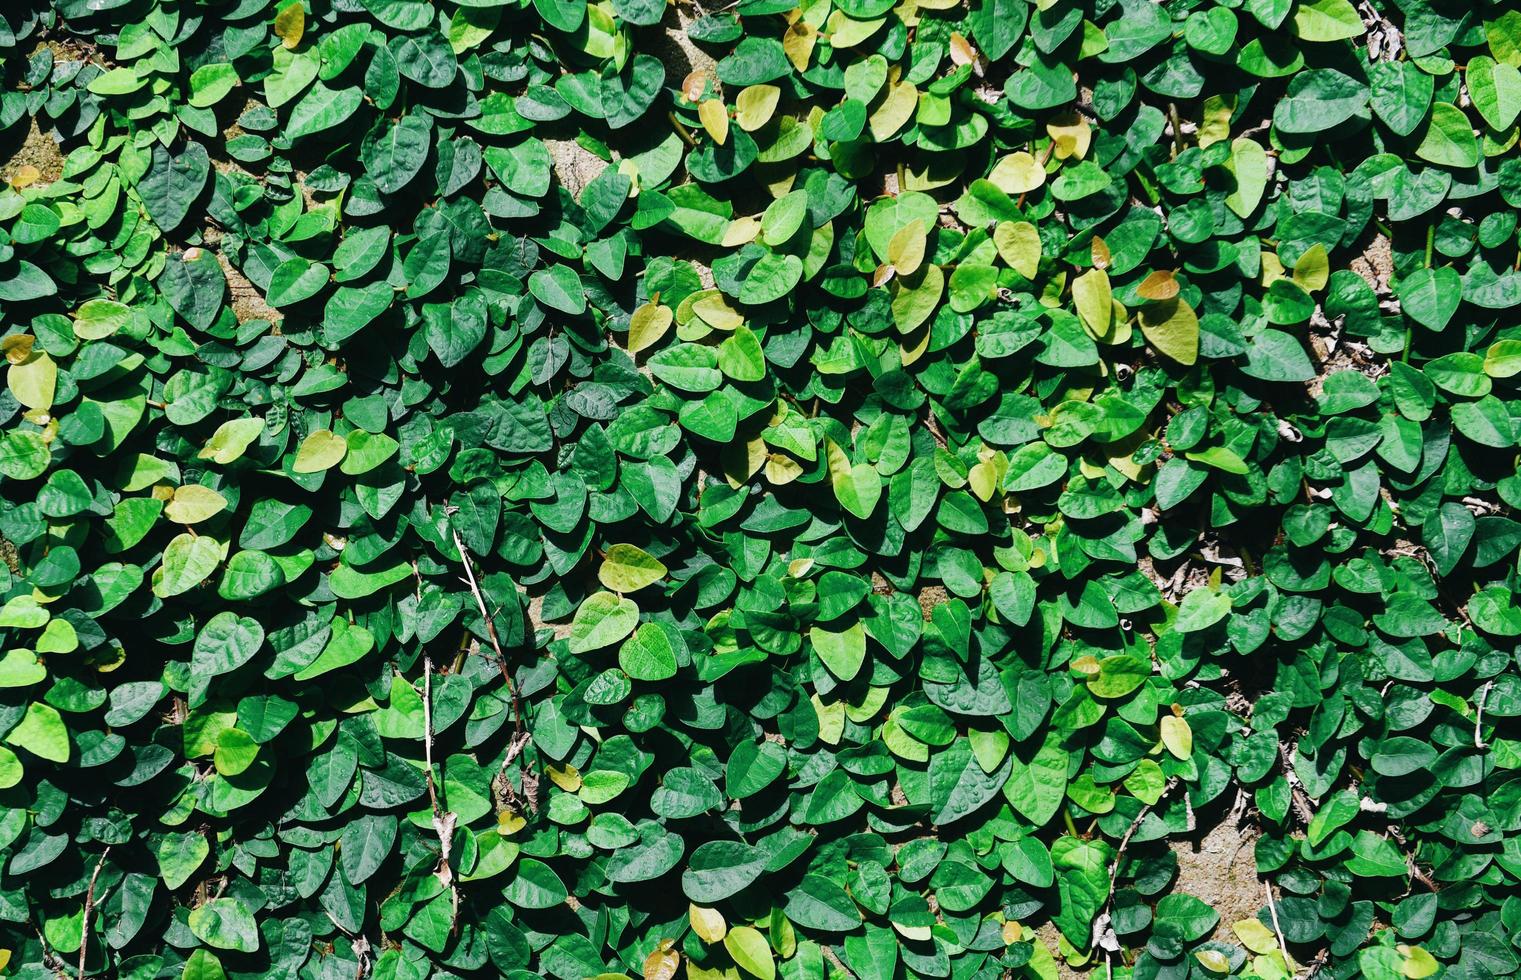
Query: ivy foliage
(504,488)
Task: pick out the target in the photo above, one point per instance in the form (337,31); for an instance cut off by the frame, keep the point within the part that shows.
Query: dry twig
(51,959)
(834,959)
(89,907)
(1478,720)
(1283,947)
(1103,936)
(1296,788)
(443,821)
(491,634)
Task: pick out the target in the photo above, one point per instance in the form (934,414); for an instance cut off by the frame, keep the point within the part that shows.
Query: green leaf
(1119,675)
(1277,356)
(959,784)
(393,155)
(26,282)
(322,108)
(1401,94)
(857,486)
(1326,20)
(225,643)
(842,652)
(295,281)
(647,655)
(188,560)
(1036,788)
(1082,877)
(752,767)
(1319,100)
(1201,609)
(19,668)
(783,217)
(559,288)
(1495,88)
(173,184)
(202,964)
(1449,139)
(720,869)
(100,318)
(535,886)
(180,855)
(1430,297)
(772,277)
(225,923)
(347,644)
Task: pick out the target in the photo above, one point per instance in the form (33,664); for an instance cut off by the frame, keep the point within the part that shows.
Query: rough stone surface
(1376,264)
(1219,867)
(574,165)
(675,49)
(38,150)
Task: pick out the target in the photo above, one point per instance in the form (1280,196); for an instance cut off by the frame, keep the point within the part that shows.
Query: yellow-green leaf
(322,450)
(1018,244)
(1419,963)
(627,568)
(1313,269)
(915,297)
(1248,163)
(1327,20)
(1215,119)
(194,503)
(100,318)
(755,106)
(715,119)
(648,324)
(1177,736)
(1094,301)
(906,249)
(1172,328)
(1255,936)
(1070,135)
(1018,173)
(231,440)
(1213,960)
(290,24)
(708,923)
(751,952)
(34,381)
(42,733)
(893,111)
